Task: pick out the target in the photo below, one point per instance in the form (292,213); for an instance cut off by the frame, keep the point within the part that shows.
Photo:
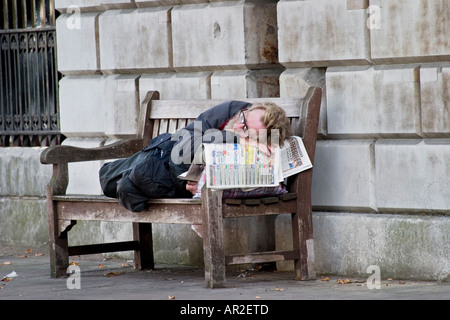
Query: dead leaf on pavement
(344,281)
(100,266)
(112,274)
(171,297)
(325,279)
(6,263)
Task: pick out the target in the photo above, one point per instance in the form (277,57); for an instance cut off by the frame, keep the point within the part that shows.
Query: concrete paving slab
(112,279)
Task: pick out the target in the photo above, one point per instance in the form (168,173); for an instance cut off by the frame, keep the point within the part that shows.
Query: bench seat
(184,211)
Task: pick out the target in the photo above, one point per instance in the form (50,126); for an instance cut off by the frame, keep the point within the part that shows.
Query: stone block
(118,4)
(344,176)
(402,246)
(77,32)
(23,221)
(121,106)
(412,175)
(195,85)
(323,33)
(411,31)
(78,5)
(225,35)
(373,102)
(22,173)
(82,105)
(435,99)
(155,3)
(83,176)
(242,84)
(296,82)
(144,47)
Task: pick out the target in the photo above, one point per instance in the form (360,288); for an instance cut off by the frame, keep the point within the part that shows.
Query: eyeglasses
(242,119)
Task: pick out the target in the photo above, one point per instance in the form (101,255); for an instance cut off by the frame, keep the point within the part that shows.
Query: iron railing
(28,74)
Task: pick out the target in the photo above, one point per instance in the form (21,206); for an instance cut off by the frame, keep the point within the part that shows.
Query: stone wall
(381,178)
(382,169)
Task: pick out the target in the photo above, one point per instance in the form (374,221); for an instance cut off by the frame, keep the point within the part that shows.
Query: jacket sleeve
(205,129)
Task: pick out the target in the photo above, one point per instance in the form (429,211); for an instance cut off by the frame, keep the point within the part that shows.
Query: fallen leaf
(325,279)
(23,256)
(100,266)
(112,274)
(171,297)
(258,297)
(6,263)
(401,282)
(345,281)
(74,263)
(38,254)
(29,250)
(5,279)
(277,289)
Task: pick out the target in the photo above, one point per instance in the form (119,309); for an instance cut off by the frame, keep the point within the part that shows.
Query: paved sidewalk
(116,279)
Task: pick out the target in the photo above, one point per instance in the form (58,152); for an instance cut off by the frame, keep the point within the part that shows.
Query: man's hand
(268,150)
(191,186)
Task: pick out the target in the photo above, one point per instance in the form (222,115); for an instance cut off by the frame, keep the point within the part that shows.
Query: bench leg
(213,247)
(58,242)
(302,230)
(143,257)
(59,247)
(59,256)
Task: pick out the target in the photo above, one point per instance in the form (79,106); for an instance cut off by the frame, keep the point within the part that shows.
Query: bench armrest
(65,154)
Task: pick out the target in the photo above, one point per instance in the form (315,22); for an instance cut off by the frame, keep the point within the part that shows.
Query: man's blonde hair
(274,118)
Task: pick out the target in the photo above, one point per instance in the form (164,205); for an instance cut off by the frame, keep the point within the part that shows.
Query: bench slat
(159,212)
(190,109)
(234,211)
(102,198)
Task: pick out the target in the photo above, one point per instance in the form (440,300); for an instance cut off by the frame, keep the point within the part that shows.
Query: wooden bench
(156,117)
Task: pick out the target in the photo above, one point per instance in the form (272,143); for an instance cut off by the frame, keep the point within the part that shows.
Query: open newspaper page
(294,157)
(237,166)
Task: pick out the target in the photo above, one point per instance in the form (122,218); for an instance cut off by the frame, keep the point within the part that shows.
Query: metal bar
(33,14)
(14,15)
(5,15)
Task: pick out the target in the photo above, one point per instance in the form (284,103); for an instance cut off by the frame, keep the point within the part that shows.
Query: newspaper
(294,158)
(242,166)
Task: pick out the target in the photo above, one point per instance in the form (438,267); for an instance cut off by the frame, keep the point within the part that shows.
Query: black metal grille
(29,79)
